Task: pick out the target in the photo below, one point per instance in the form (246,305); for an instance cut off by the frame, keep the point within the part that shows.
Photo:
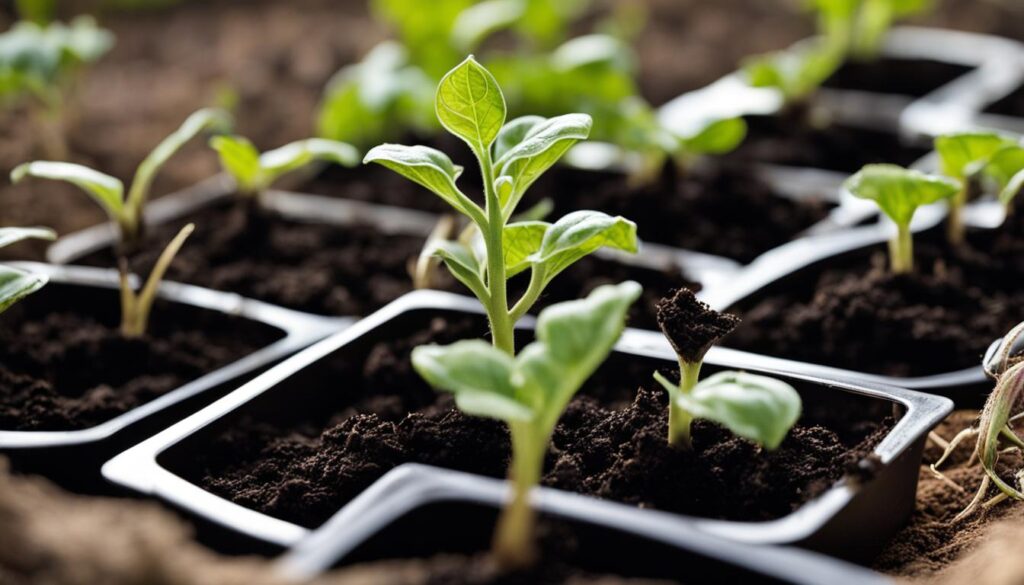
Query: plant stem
(513,539)
(679,420)
(955,231)
(497,305)
(901,250)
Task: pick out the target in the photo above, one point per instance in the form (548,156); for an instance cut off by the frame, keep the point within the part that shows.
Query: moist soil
(1011,105)
(792,140)
(859,316)
(723,211)
(910,77)
(610,443)
(65,368)
(343,270)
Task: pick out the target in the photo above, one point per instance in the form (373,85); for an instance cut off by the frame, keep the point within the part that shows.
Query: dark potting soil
(344,270)
(1011,105)
(64,365)
(790,140)
(910,77)
(365,412)
(727,212)
(857,315)
(691,326)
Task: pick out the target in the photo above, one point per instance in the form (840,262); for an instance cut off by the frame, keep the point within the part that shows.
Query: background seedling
(857,28)
(17,284)
(529,392)
(512,156)
(108,191)
(898,192)
(38,66)
(755,407)
(1006,170)
(796,72)
(254,172)
(136,306)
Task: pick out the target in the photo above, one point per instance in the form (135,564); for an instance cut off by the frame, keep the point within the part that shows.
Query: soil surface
(691,326)
(66,368)
(349,270)
(933,548)
(911,77)
(859,316)
(610,443)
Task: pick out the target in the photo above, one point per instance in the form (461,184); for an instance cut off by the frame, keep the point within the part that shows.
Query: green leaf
(1006,168)
(758,408)
(520,241)
(104,189)
(295,155)
(965,153)
(579,234)
(899,191)
(513,133)
(470,105)
(540,147)
(16,285)
(479,375)
(480,21)
(11,235)
(240,159)
(573,339)
(462,263)
(426,166)
(718,136)
(795,72)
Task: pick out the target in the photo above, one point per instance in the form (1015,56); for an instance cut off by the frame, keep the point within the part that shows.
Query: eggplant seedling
(17,284)
(254,173)
(108,191)
(796,72)
(38,67)
(755,407)
(898,192)
(858,27)
(966,157)
(529,392)
(470,105)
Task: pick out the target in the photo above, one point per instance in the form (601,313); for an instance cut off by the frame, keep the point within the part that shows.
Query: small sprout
(898,192)
(858,27)
(254,173)
(796,72)
(529,392)
(965,156)
(17,284)
(108,191)
(136,306)
(470,105)
(38,65)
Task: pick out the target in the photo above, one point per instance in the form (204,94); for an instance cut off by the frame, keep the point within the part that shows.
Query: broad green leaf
(1006,168)
(479,375)
(16,285)
(758,408)
(965,153)
(470,105)
(520,241)
(10,235)
(899,191)
(426,166)
(295,155)
(462,263)
(717,137)
(513,133)
(579,234)
(240,159)
(573,339)
(104,189)
(541,146)
(480,21)
(207,118)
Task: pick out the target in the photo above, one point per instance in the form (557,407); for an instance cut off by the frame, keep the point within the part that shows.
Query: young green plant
(755,407)
(898,192)
(137,305)
(966,157)
(38,66)
(16,284)
(529,392)
(108,191)
(795,73)
(511,156)
(857,28)
(254,173)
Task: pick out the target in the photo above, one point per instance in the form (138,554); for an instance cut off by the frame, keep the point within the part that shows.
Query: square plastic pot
(851,520)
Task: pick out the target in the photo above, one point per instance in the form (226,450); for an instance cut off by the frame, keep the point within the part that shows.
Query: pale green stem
(955,231)
(901,250)
(529,298)
(513,539)
(679,421)
(497,295)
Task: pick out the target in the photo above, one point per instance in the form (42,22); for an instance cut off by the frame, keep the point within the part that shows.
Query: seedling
(470,105)
(755,407)
(108,191)
(966,157)
(17,284)
(898,192)
(1006,170)
(254,172)
(994,433)
(136,306)
(858,27)
(529,392)
(38,65)
(796,72)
